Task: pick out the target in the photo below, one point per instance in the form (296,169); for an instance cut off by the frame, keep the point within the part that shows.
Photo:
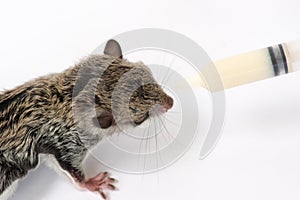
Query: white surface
(258,155)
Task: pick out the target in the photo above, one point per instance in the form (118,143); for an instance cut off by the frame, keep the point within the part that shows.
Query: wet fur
(37,117)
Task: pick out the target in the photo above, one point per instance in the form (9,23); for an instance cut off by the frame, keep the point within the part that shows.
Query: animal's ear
(113,48)
(105,120)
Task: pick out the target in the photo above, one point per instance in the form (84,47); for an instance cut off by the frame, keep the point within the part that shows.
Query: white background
(258,154)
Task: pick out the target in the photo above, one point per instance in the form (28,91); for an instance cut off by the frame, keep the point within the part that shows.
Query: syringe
(258,65)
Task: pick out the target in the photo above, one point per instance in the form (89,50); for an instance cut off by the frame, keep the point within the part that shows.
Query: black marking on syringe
(284,60)
(278,59)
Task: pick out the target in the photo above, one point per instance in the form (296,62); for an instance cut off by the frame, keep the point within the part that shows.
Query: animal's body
(41,116)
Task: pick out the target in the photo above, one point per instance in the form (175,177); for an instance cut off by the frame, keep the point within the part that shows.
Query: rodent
(37,117)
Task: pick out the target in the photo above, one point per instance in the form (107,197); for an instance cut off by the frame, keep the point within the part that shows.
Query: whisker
(146,147)
(166,139)
(157,153)
(159,73)
(141,145)
(174,117)
(166,78)
(160,77)
(164,83)
(169,134)
(172,111)
(172,122)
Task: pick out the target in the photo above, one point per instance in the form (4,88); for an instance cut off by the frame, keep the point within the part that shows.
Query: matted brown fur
(40,116)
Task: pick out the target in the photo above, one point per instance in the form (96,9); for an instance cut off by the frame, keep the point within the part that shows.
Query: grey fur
(38,117)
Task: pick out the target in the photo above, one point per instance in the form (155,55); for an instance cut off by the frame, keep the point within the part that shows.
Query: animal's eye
(140,92)
(134,110)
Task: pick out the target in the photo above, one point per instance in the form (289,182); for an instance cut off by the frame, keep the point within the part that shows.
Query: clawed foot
(99,183)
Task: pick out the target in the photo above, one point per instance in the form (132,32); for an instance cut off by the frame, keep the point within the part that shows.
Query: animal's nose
(168,103)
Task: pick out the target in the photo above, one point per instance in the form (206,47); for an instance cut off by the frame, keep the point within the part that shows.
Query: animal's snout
(168,103)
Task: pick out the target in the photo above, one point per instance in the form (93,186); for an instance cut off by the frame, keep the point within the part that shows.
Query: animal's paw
(99,183)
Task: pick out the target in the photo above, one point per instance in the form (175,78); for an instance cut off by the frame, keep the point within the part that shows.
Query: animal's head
(127,92)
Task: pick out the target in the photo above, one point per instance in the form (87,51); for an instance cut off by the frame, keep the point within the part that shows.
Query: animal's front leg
(99,183)
(71,162)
